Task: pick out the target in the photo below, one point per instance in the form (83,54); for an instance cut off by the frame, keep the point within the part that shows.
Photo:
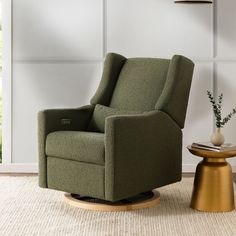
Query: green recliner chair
(128,141)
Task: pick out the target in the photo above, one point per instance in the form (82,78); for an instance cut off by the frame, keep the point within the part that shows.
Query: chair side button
(66,121)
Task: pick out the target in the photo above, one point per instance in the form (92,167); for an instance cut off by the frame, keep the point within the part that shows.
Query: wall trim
(55,60)
(76,60)
(33,168)
(104,28)
(19,168)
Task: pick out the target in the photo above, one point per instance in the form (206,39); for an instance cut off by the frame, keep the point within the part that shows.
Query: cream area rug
(25,209)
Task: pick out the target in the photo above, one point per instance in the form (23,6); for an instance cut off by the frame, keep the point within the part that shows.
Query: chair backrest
(140,84)
(144,84)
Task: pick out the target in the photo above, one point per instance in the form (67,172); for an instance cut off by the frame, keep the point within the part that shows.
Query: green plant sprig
(217,109)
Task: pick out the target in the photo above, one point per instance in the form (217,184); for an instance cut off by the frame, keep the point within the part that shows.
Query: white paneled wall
(198,125)
(59,46)
(64,29)
(226,23)
(159,28)
(41,86)
(226,84)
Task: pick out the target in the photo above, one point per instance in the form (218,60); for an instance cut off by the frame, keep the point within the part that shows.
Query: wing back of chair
(174,97)
(112,66)
(144,84)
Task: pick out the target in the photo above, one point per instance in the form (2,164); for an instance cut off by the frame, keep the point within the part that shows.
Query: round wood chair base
(141,201)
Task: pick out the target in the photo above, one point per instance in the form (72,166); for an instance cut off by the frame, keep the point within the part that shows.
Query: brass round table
(213,183)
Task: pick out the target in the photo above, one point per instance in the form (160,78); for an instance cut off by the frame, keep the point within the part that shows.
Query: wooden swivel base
(141,201)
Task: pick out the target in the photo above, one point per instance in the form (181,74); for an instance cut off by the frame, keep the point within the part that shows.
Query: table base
(213,186)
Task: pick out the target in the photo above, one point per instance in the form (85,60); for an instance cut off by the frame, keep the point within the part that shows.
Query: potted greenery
(217,138)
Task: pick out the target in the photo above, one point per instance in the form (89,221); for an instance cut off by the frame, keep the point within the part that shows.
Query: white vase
(217,138)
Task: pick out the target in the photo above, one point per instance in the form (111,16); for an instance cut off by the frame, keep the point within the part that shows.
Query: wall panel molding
(7,82)
(104,28)
(49,60)
(214,29)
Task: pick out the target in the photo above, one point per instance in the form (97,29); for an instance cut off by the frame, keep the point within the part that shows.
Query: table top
(211,154)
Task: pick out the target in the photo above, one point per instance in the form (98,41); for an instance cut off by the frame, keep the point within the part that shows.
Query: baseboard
(188,168)
(19,168)
(33,168)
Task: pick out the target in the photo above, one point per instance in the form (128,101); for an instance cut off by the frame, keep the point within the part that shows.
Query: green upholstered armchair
(128,140)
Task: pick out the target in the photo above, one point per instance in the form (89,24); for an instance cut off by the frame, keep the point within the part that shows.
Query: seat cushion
(76,145)
(97,123)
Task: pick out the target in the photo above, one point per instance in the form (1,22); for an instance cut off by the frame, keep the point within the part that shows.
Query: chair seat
(76,145)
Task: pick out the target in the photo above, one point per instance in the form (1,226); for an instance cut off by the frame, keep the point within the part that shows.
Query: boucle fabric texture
(140,84)
(76,145)
(111,70)
(139,109)
(29,210)
(142,152)
(50,121)
(75,177)
(97,123)
(144,84)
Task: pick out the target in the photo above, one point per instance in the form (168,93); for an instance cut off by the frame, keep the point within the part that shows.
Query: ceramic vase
(217,138)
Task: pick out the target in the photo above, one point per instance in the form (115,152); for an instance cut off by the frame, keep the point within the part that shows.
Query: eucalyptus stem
(217,110)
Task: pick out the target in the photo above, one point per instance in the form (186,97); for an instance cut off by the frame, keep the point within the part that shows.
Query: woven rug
(25,209)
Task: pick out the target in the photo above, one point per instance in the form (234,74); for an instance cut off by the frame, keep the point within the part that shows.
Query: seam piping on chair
(66,159)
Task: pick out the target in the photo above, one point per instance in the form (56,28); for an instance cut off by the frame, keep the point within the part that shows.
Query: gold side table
(213,183)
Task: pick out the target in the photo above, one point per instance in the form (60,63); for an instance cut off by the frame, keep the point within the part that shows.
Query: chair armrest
(139,149)
(65,119)
(57,120)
